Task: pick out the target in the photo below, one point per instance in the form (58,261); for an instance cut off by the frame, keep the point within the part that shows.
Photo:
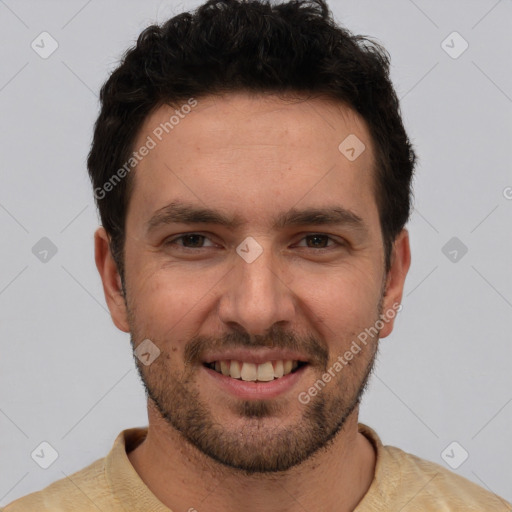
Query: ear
(111,280)
(395,280)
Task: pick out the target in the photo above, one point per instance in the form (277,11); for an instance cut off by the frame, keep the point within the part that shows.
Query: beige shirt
(402,482)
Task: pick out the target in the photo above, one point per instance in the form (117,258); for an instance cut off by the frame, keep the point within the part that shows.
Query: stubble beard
(254,446)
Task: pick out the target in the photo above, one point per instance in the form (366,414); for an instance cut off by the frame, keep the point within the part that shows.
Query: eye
(190,241)
(318,241)
(197,241)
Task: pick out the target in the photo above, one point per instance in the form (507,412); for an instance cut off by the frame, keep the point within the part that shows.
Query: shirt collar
(130,491)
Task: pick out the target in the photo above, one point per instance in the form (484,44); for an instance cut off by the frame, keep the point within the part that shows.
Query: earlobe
(111,280)
(395,281)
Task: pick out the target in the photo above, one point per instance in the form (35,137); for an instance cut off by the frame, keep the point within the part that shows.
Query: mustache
(276,338)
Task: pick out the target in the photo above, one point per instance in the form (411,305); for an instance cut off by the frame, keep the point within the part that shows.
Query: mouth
(252,372)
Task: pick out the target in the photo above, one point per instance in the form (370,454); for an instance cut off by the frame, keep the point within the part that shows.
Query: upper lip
(254,356)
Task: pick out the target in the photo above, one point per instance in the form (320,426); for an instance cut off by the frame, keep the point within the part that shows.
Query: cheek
(349,289)
(167,300)
(343,307)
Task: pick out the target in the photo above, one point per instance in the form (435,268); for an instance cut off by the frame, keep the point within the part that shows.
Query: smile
(251,372)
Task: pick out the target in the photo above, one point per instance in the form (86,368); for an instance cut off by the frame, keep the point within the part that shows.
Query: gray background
(66,373)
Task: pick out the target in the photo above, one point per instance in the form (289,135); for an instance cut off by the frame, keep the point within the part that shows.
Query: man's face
(311,290)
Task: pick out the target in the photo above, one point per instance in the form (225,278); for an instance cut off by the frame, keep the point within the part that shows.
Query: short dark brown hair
(254,46)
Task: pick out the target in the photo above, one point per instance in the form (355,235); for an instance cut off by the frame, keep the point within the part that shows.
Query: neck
(334,479)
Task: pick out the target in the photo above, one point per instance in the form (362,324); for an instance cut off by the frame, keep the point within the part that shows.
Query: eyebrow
(182,213)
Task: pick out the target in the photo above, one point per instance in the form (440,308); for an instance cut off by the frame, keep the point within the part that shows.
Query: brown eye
(319,241)
(188,241)
(194,240)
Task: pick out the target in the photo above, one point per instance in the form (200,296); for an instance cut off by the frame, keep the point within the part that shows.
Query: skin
(255,157)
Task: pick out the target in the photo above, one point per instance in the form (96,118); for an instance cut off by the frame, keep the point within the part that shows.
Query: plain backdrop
(67,376)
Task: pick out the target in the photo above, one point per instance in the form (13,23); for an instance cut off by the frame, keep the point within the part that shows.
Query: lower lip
(255,390)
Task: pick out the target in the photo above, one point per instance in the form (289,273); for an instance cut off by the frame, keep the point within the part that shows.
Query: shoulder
(77,492)
(406,482)
(427,483)
(102,485)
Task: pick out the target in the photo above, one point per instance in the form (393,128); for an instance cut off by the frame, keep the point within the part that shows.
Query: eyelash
(185,235)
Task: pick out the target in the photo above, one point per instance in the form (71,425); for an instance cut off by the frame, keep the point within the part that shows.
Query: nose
(256,296)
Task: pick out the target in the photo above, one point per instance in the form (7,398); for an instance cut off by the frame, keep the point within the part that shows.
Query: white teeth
(234,370)
(265,371)
(251,372)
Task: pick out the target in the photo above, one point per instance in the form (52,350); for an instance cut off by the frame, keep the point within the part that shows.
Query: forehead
(218,120)
(246,151)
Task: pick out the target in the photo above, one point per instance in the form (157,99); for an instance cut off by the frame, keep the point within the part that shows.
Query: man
(253,178)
